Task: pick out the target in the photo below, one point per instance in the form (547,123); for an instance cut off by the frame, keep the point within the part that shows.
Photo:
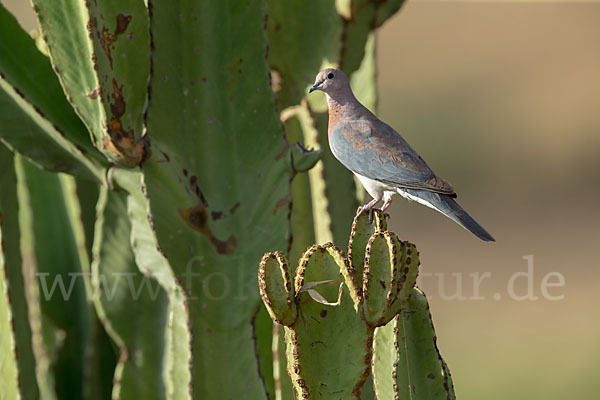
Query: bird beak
(314,87)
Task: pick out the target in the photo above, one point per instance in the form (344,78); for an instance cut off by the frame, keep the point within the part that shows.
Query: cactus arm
(360,234)
(63,29)
(303,159)
(128,303)
(301,218)
(42,329)
(54,245)
(16,276)
(385,360)
(153,264)
(215,216)
(92,45)
(324,362)
(263,345)
(9,378)
(428,374)
(417,370)
(30,115)
(29,73)
(284,388)
(381,277)
(120,40)
(276,290)
(21,125)
(362,297)
(409,269)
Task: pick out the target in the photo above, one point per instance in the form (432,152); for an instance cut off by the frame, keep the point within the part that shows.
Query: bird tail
(450,208)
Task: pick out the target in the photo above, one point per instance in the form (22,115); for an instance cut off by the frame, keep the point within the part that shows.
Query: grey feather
(450,208)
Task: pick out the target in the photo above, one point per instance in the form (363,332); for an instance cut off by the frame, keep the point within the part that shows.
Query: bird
(381,159)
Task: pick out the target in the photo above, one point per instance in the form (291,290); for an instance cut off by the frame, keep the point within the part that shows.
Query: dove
(382,160)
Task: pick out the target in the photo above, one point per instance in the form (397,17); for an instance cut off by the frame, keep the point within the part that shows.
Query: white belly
(379,190)
(376,189)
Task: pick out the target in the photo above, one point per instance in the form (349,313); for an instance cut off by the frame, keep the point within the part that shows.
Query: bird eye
(330,75)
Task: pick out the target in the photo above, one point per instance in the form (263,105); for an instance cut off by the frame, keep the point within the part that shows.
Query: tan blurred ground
(503,100)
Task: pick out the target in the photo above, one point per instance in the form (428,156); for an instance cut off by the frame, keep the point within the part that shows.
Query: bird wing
(373,149)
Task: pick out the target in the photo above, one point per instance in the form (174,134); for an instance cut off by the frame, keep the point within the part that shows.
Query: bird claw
(362,209)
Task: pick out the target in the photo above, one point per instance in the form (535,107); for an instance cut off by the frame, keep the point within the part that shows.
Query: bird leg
(386,203)
(369,207)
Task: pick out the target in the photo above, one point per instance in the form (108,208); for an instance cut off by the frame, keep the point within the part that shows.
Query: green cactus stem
(416,369)
(331,311)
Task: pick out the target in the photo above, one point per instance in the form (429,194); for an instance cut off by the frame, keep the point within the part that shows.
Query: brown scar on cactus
(107,38)
(197,219)
(281,203)
(124,141)
(217,215)
(193,180)
(94,94)
(166,157)
(233,209)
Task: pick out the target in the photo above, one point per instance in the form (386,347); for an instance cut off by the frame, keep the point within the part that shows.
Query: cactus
(345,317)
(9,379)
(44,117)
(149,259)
(416,370)
(143,140)
(92,46)
(14,275)
(124,316)
(331,308)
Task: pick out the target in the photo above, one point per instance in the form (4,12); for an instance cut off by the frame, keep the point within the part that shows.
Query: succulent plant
(332,305)
(407,363)
(144,171)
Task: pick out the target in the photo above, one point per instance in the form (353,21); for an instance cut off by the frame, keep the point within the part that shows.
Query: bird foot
(364,208)
(368,206)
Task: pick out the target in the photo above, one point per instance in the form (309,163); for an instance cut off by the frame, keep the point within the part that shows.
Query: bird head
(330,81)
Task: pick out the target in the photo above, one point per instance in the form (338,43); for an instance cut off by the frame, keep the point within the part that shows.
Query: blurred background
(502,99)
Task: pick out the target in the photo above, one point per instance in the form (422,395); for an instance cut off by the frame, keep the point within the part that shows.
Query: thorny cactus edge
(331,312)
